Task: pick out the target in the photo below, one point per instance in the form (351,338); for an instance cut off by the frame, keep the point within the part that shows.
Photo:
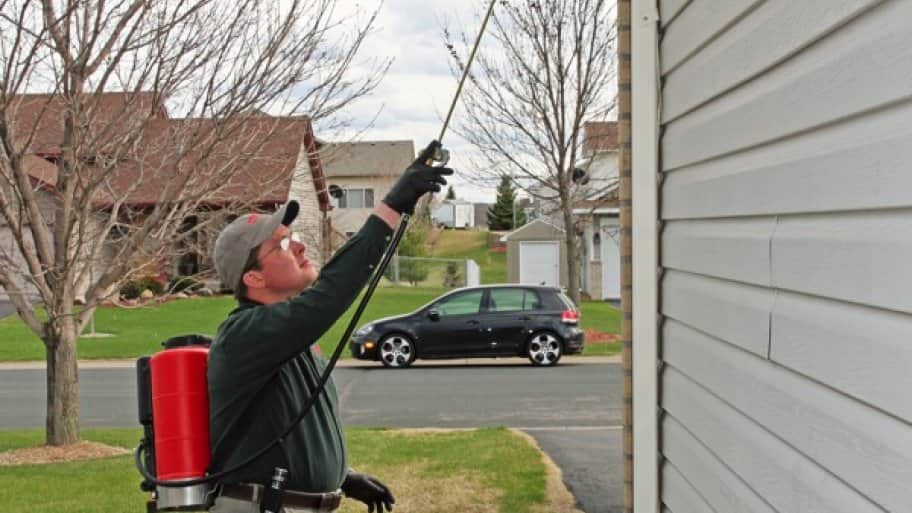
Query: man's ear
(253,279)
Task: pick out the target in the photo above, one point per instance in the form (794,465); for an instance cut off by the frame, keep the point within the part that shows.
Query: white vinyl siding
(786,237)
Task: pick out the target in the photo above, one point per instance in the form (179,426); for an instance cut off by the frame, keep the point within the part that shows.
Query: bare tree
(547,68)
(95,185)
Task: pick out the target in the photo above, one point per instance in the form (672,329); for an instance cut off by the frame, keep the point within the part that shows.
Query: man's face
(285,272)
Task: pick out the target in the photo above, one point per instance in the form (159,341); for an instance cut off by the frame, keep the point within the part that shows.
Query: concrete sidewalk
(347,362)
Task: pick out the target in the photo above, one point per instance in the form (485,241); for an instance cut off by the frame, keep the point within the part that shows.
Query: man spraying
(262,367)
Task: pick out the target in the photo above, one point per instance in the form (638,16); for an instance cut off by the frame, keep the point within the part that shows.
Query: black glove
(417,179)
(368,490)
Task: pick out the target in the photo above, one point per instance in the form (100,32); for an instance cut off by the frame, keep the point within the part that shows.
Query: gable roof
(530,227)
(259,153)
(367,158)
(599,136)
(41,117)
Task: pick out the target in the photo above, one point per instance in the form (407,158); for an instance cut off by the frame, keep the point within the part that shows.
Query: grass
(140,331)
(136,331)
(474,245)
(481,470)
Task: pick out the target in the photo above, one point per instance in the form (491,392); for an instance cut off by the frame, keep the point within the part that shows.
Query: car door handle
(525,318)
(472,323)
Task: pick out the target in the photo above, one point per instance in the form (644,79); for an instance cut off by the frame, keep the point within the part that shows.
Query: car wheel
(544,349)
(396,351)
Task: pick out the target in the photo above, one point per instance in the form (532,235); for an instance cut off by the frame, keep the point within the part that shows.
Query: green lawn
(481,470)
(474,245)
(600,316)
(140,331)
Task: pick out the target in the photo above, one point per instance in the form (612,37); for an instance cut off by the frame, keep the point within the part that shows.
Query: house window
(357,198)
(596,247)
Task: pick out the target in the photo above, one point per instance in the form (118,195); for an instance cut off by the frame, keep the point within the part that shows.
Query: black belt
(253,492)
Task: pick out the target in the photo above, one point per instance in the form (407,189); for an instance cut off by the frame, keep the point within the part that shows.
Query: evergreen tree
(451,194)
(520,218)
(500,216)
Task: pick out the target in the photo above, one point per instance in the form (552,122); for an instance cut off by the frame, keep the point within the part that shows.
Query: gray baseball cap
(233,245)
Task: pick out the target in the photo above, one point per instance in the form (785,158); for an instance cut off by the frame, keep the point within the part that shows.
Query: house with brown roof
(220,164)
(364,171)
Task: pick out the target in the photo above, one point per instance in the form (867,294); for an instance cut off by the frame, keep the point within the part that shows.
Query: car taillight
(570,317)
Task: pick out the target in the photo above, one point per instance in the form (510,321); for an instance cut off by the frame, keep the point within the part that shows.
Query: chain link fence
(433,272)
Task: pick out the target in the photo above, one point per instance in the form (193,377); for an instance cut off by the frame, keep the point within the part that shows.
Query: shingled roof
(367,158)
(40,116)
(261,152)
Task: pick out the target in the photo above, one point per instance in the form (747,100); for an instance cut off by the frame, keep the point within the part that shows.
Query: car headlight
(364,330)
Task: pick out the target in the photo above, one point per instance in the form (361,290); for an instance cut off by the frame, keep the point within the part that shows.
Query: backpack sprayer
(173,395)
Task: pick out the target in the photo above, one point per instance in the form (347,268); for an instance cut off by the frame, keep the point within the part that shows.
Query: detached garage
(537,254)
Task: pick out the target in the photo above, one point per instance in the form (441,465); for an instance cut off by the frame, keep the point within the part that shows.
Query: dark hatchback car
(536,322)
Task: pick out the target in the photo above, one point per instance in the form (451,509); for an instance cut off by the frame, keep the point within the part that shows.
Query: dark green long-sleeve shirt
(262,369)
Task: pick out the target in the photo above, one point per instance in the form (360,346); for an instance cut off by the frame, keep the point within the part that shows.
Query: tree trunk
(62,385)
(573,265)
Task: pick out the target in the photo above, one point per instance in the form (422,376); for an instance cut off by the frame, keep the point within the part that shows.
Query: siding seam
(769,331)
(798,372)
(796,292)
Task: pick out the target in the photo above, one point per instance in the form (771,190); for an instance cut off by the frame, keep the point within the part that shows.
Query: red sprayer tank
(180,402)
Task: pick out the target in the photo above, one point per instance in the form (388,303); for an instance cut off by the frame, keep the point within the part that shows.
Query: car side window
(461,304)
(513,300)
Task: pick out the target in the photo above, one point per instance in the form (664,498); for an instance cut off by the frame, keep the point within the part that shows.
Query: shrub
(134,288)
(153,283)
(452,277)
(131,289)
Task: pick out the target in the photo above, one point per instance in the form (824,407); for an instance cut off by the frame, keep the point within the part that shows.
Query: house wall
(603,173)
(786,211)
(8,247)
(351,219)
(309,223)
(535,232)
(87,271)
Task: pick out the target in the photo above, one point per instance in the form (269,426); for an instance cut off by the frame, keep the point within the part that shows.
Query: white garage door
(539,263)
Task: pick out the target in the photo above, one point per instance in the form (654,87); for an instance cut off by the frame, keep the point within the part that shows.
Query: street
(573,410)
